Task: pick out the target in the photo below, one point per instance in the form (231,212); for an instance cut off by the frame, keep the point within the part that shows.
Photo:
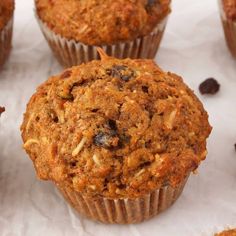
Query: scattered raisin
(121,72)
(209,86)
(2,109)
(235,146)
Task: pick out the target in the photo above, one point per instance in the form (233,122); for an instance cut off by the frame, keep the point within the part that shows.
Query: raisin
(235,146)
(106,140)
(112,125)
(149,5)
(109,138)
(66,74)
(124,139)
(73,163)
(121,72)
(65,91)
(56,120)
(2,109)
(145,89)
(53,116)
(150,2)
(209,86)
(94,110)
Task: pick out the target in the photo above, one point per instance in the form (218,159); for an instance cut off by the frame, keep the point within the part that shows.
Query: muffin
(119,138)
(228,16)
(6,25)
(227,233)
(123,28)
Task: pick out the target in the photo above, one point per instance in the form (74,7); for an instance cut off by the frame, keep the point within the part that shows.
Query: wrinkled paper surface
(193,47)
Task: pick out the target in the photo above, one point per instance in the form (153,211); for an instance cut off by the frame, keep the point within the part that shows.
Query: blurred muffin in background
(6,27)
(123,28)
(231,232)
(228,17)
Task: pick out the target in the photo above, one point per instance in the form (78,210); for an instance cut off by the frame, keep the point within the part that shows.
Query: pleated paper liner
(123,211)
(5,41)
(229,27)
(70,53)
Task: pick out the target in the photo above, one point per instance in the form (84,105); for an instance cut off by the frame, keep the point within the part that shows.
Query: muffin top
(6,11)
(117,128)
(230,9)
(227,233)
(96,22)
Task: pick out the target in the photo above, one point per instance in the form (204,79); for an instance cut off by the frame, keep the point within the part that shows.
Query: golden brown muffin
(230,9)
(227,233)
(115,128)
(6,12)
(96,22)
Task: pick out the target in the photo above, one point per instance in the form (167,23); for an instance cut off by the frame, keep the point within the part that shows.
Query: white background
(193,47)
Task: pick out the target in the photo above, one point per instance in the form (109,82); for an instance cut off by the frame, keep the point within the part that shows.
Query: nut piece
(30,142)
(169,121)
(96,160)
(93,187)
(77,150)
(140,173)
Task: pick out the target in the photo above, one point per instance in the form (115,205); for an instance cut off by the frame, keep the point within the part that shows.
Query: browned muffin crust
(117,128)
(6,12)
(96,22)
(231,232)
(230,9)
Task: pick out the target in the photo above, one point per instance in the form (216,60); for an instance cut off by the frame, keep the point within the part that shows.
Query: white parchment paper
(193,47)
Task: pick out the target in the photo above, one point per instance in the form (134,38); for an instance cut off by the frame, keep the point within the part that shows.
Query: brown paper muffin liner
(5,41)
(123,211)
(229,27)
(70,52)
